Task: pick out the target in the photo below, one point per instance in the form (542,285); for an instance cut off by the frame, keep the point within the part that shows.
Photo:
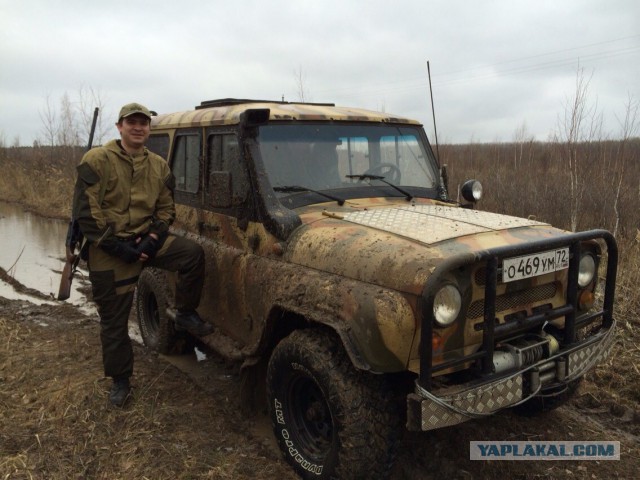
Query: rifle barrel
(93,128)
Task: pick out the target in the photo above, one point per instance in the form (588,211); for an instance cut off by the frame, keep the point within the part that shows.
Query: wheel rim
(311,417)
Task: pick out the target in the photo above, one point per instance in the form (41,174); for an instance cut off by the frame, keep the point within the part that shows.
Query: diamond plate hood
(434,223)
(399,245)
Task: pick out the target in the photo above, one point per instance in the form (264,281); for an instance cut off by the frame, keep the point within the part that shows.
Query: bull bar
(451,408)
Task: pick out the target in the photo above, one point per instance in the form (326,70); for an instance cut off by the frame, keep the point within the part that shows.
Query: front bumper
(442,408)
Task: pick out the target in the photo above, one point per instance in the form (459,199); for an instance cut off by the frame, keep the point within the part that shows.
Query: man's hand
(142,248)
(124,250)
(148,246)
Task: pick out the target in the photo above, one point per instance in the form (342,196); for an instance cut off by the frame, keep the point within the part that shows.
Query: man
(123,202)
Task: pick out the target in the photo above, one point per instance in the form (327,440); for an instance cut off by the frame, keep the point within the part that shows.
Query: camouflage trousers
(113,283)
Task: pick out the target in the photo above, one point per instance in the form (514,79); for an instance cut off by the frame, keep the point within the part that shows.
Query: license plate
(527,266)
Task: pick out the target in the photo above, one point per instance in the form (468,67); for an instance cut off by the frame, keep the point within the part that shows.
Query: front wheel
(329,419)
(156,326)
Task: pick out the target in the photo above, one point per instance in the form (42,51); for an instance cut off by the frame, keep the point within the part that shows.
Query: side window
(228,181)
(185,163)
(159,144)
(232,162)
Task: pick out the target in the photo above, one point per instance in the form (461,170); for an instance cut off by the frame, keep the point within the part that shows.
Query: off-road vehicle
(337,261)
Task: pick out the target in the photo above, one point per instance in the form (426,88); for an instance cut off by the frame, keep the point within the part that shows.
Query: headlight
(587,270)
(446,305)
(471,191)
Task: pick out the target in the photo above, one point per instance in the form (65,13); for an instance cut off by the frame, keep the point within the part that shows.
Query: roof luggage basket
(226,102)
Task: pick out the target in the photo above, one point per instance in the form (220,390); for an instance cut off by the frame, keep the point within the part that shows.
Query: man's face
(134,130)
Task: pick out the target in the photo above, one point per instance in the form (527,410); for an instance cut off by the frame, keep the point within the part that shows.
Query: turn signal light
(436,343)
(586,300)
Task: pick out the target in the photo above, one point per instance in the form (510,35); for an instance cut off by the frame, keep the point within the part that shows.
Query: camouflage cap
(132,108)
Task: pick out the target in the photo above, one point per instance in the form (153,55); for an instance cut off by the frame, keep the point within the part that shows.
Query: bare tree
(49,122)
(69,127)
(521,137)
(68,135)
(629,127)
(88,100)
(301,85)
(572,126)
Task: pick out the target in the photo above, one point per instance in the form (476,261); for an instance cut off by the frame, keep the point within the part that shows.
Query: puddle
(32,252)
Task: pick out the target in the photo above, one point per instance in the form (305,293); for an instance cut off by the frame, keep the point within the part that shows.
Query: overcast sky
(495,65)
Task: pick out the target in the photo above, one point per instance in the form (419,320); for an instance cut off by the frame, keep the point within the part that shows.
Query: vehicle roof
(228,111)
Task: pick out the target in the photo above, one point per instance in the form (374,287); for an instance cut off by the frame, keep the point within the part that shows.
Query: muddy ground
(185,421)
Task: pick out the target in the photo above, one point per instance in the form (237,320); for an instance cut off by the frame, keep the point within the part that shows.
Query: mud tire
(547,402)
(156,327)
(330,420)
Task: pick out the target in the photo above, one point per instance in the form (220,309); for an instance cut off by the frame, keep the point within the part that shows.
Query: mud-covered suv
(338,267)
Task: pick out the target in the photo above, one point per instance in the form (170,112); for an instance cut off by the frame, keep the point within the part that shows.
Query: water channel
(32,252)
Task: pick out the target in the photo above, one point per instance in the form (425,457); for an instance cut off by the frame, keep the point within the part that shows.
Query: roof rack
(225,102)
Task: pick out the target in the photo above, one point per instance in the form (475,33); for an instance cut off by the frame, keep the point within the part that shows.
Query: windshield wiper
(298,188)
(368,176)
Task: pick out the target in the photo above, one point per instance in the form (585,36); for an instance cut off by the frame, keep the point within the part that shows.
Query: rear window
(159,144)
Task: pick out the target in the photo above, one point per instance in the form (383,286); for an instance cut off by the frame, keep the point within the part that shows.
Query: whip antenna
(433,113)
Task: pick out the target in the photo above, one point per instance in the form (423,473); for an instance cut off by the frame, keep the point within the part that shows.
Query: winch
(523,351)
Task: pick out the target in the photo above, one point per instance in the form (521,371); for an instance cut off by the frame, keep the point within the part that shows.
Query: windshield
(344,156)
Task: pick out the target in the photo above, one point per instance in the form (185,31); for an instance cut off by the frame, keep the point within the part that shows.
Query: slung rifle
(74,240)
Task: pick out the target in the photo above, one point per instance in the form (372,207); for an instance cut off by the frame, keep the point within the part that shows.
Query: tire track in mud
(213,374)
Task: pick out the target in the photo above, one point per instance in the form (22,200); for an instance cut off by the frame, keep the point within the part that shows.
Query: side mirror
(444,176)
(471,191)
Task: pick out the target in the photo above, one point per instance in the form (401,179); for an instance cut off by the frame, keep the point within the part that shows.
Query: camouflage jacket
(118,195)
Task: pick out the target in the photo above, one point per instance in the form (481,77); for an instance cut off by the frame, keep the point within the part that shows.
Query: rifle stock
(64,291)
(74,238)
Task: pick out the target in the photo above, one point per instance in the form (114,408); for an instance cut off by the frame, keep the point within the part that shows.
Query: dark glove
(126,251)
(149,246)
